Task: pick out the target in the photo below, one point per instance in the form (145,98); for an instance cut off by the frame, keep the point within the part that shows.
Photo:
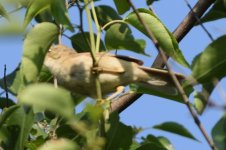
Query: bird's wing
(128,58)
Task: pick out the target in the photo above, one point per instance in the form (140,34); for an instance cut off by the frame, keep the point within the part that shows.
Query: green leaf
(122,6)
(119,135)
(218,11)
(59,144)
(59,11)
(44,16)
(36,44)
(13,82)
(149,2)
(4,102)
(119,36)
(46,96)
(81,42)
(3,12)
(211,63)
(165,39)
(34,8)
(65,131)
(175,128)
(219,133)
(201,98)
(106,14)
(151,146)
(166,143)
(16,127)
(158,141)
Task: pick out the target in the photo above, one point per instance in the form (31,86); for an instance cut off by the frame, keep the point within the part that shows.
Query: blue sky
(150,110)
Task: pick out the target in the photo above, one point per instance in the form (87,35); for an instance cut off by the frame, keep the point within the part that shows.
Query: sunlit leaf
(46,97)
(59,144)
(158,141)
(219,133)
(36,45)
(175,128)
(165,39)
(34,8)
(119,36)
(211,63)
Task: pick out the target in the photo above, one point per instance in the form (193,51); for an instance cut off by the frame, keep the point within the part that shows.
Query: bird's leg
(119,90)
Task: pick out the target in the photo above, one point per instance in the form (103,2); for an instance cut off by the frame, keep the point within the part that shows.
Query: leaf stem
(97,26)
(91,34)
(111,23)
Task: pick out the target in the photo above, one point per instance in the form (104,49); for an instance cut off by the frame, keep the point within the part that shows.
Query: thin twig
(175,80)
(6,87)
(199,21)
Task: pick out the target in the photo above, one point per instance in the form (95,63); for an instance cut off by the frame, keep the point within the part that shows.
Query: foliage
(44,117)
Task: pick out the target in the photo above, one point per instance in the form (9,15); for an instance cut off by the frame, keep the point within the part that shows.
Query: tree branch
(184,27)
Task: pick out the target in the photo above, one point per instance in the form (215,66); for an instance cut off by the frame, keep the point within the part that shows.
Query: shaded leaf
(211,63)
(175,128)
(122,6)
(165,39)
(4,102)
(218,11)
(16,127)
(46,96)
(150,146)
(13,82)
(106,14)
(219,133)
(65,131)
(59,11)
(3,12)
(81,42)
(44,16)
(115,133)
(59,144)
(36,44)
(134,146)
(119,36)
(149,2)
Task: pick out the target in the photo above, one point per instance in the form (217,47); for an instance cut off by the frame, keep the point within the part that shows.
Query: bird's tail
(160,80)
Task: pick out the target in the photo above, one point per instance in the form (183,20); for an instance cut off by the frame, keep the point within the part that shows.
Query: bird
(76,72)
